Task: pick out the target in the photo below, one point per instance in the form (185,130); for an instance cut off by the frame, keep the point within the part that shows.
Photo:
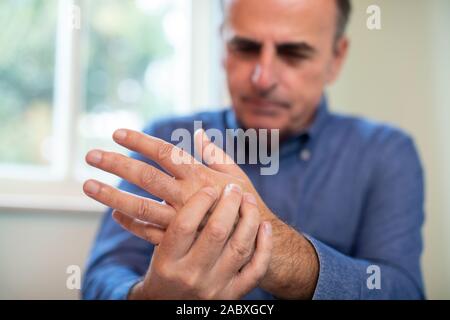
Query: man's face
(280,54)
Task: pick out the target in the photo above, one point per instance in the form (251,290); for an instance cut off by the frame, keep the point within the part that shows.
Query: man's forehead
(279,4)
(278,20)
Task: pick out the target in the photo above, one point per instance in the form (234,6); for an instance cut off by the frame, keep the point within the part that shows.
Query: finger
(214,235)
(137,172)
(255,270)
(141,229)
(241,245)
(213,156)
(173,159)
(182,232)
(141,208)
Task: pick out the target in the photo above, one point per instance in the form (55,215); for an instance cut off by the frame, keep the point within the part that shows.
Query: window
(72,71)
(26,83)
(135,66)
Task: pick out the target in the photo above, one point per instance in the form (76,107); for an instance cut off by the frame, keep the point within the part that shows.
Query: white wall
(37,247)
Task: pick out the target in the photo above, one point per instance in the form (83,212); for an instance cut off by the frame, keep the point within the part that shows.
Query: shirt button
(305,155)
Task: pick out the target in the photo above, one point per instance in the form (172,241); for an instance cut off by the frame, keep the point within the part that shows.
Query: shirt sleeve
(389,242)
(118,259)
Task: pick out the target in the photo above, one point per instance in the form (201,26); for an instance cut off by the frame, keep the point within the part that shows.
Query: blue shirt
(353,187)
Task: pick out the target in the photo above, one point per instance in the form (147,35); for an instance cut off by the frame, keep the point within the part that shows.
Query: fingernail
(268,228)
(120,135)
(250,198)
(232,187)
(198,131)
(115,216)
(210,191)
(94,156)
(91,187)
(203,134)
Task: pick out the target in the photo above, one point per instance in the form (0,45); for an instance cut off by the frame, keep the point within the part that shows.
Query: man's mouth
(266,106)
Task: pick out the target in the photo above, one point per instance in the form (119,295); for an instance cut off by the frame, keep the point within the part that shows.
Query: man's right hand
(220,261)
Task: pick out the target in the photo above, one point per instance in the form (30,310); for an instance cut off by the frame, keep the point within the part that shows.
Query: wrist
(293,270)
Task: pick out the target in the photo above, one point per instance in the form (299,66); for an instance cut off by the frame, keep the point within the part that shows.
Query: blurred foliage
(122,42)
(26,78)
(119,42)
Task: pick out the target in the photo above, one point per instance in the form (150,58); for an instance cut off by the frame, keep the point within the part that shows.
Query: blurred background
(72,71)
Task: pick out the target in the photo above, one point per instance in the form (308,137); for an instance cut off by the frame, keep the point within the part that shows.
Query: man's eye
(294,55)
(246,48)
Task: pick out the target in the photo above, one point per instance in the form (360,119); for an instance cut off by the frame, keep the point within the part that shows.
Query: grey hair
(344,12)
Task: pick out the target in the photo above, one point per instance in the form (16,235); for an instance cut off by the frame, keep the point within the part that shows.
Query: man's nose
(264,76)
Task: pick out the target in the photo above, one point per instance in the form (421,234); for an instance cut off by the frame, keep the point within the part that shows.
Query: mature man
(340,220)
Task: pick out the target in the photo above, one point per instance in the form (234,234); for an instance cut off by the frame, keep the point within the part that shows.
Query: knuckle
(189,280)
(208,194)
(183,228)
(143,210)
(148,176)
(240,251)
(164,151)
(126,163)
(163,271)
(216,232)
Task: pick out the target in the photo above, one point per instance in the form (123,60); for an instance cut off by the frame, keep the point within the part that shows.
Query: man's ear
(339,56)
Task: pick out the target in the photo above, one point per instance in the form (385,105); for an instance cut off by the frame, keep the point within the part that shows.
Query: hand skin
(218,263)
(293,268)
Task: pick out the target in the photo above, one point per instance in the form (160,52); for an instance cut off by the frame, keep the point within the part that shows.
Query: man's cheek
(239,70)
(311,84)
(315,76)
